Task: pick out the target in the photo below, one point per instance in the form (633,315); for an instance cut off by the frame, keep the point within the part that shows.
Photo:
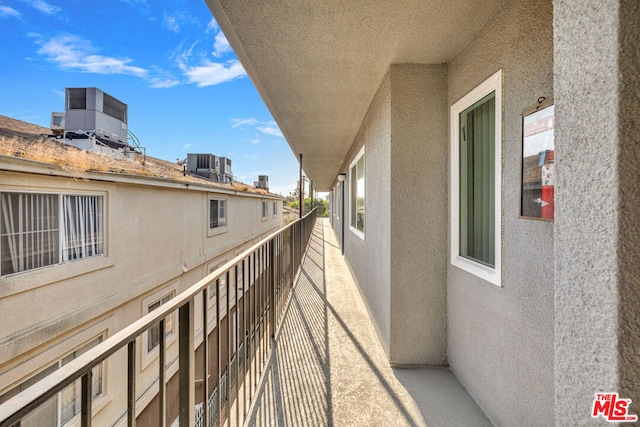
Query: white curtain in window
(82,227)
(28,231)
(222,214)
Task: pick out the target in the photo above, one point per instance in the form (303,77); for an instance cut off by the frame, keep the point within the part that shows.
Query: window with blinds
(217,213)
(477,189)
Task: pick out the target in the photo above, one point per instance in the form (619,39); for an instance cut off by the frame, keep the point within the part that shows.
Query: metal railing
(267,271)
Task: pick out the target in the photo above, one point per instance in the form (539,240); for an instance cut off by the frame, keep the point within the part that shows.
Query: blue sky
(166,59)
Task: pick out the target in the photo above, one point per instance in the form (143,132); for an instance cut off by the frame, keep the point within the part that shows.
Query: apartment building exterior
(86,254)
(533,317)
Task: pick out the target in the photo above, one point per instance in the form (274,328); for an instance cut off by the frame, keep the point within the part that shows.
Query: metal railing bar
(218,399)
(259,314)
(85,419)
(236,324)
(249,327)
(244,339)
(205,357)
(162,361)
(227,385)
(186,366)
(254,322)
(131,384)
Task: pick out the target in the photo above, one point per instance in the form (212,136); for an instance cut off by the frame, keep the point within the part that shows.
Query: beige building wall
(400,264)
(368,258)
(427,311)
(158,243)
(501,338)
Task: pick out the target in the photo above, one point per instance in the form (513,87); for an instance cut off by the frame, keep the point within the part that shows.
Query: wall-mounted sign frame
(538,165)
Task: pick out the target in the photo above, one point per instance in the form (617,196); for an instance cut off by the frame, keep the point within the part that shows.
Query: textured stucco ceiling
(318,63)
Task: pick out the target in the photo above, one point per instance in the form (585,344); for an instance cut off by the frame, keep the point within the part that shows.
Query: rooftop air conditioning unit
(225,166)
(90,109)
(262,182)
(206,165)
(57,123)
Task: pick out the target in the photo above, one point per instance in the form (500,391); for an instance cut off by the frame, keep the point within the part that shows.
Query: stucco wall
(368,259)
(501,339)
(597,75)
(418,214)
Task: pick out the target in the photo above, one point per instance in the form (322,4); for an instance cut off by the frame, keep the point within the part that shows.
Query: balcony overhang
(318,64)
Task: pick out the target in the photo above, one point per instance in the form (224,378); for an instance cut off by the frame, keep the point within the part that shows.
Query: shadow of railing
(297,386)
(297,389)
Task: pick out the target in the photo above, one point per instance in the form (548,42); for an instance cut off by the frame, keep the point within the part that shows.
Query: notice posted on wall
(538,169)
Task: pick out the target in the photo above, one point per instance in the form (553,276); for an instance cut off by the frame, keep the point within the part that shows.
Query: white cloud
(60,93)
(221,45)
(212,73)
(270,129)
(182,56)
(71,52)
(175,21)
(171,23)
(43,6)
(162,83)
(6,12)
(213,25)
(266,128)
(161,79)
(185,146)
(205,72)
(242,122)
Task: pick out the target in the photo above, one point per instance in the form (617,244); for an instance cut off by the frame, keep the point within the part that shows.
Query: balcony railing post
(245,296)
(236,334)
(272,288)
(291,253)
(86,399)
(250,321)
(260,308)
(218,399)
(162,374)
(186,368)
(228,385)
(205,357)
(131,384)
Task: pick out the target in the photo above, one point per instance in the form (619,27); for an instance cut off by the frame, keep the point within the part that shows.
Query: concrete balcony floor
(327,366)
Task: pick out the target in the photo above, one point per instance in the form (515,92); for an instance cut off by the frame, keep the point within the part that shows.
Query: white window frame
(353,197)
(171,335)
(59,363)
(492,275)
(265,210)
(220,228)
(63,252)
(275,209)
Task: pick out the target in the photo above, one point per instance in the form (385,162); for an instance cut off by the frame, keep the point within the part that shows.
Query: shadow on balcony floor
(328,368)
